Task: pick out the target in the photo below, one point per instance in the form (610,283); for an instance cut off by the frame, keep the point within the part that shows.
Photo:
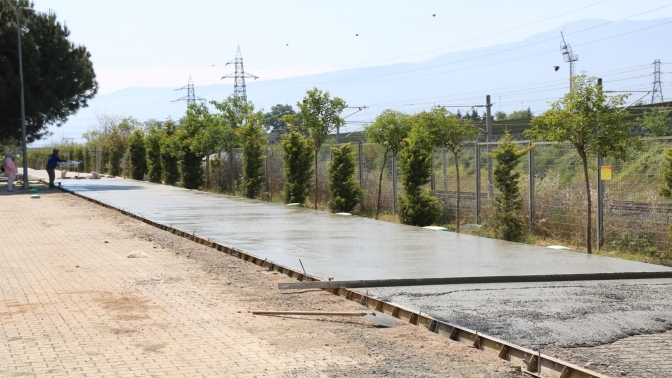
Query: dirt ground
(73,303)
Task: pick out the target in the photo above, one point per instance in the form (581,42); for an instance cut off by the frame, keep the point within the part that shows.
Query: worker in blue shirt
(53,161)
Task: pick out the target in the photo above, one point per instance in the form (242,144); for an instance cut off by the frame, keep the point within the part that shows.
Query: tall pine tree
(345,191)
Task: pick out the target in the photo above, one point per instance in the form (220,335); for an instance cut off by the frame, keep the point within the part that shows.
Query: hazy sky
(159,43)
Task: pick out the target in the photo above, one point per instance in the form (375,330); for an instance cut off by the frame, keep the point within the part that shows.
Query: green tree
(500,115)
(171,153)
(666,190)
(196,140)
(233,113)
(507,222)
(273,120)
(592,123)
(58,75)
(153,147)
(116,142)
(389,131)
(297,157)
(520,114)
(345,190)
(138,155)
(192,168)
(320,115)
(211,134)
(448,131)
(656,122)
(253,138)
(417,208)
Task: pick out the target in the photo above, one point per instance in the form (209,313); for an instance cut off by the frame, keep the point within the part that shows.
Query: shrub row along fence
(631,213)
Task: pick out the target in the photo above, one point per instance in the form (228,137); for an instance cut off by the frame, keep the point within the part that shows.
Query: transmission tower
(190,98)
(657,95)
(239,76)
(570,58)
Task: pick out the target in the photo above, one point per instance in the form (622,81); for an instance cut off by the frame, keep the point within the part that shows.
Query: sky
(151,43)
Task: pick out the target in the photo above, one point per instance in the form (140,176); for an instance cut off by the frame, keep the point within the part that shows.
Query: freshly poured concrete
(346,248)
(350,248)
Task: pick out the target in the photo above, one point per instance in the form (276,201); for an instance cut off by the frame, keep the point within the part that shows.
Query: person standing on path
(53,161)
(10,171)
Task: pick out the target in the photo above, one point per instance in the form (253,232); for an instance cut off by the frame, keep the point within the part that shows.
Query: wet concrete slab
(347,248)
(352,248)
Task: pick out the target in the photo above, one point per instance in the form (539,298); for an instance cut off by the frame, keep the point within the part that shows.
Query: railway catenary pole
(488,131)
(360,157)
(530,173)
(477,148)
(600,194)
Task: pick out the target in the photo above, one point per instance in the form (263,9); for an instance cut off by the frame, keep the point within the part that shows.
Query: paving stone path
(72,303)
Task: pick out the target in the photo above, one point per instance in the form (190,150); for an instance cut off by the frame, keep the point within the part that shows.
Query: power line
(472,40)
(498,52)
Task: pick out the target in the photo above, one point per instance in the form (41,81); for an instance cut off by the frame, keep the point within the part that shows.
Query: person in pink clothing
(10,170)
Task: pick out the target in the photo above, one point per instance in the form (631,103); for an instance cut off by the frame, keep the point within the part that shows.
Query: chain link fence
(634,216)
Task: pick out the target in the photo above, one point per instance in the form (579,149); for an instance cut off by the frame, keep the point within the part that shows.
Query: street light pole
(23,105)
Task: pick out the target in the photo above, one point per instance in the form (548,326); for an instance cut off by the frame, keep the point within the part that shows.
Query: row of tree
(585,118)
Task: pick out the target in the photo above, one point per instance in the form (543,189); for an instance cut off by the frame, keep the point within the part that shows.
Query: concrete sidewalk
(73,304)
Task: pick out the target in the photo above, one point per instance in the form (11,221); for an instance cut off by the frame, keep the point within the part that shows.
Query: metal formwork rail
(533,363)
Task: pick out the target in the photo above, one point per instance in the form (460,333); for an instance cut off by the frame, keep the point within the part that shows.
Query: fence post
(488,136)
(478,182)
(530,173)
(432,183)
(266,169)
(445,167)
(600,203)
(361,176)
(394,184)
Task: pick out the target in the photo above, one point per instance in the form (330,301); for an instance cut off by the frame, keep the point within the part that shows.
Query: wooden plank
(474,280)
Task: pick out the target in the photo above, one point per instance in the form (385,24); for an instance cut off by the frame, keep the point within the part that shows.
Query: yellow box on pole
(605,172)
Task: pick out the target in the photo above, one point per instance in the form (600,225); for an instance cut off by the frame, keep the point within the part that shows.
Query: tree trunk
(589,241)
(380,183)
(316,152)
(457,207)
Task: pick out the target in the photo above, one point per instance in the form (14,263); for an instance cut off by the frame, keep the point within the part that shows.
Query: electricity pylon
(657,95)
(190,98)
(239,76)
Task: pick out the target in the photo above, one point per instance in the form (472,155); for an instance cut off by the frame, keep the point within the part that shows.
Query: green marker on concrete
(35,196)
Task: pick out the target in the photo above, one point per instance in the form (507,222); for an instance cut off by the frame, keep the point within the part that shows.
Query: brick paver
(73,304)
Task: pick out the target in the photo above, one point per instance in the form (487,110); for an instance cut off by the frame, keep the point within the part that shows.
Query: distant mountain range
(516,75)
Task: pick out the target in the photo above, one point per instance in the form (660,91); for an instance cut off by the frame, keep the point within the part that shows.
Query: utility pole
(239,76)
(488,136)
(570,58)
(24,140)
(600,193)
(190,98)
(657,95)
